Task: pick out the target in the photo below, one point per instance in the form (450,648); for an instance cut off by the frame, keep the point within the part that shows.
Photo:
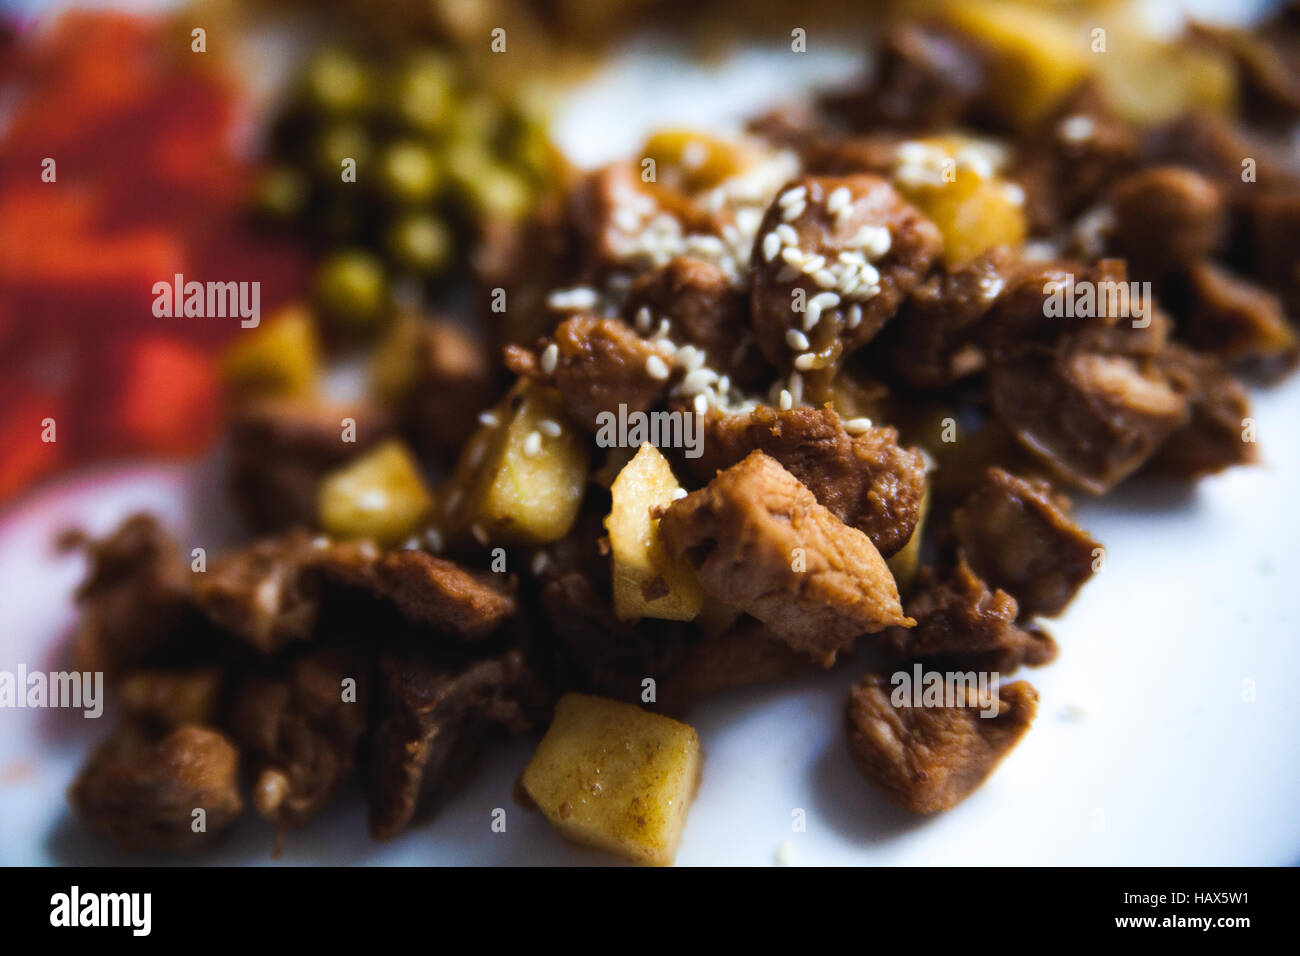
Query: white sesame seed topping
(701,404)
(856,426)
(838,199)
(805,361)
(771,246)
(539,562)
(489,419)
(1077,128)
(786,400)
(793,212)
(452,501)
(550,428)
(533,443)
(550,358)
(656,367)
(433,537)
(580,297)
(480,535)
(643,319)
(855,316)
(788,236)
(796,340)
(679,494)
(792,196)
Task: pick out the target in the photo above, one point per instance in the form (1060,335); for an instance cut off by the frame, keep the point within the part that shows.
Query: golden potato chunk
(281,357)
(648,582)
(521,476)
(381,496)
(697,161)
(903,563)
(611,776)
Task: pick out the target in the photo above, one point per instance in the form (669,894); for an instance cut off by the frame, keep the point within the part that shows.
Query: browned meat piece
(601,364)
(143,794)
(850,284)
(1273,235)
(1216,147)
(435,720)
(760,541)
(1233,318)
(280,449)
(1017,535)
(1216,436)
(1086,396)
(1267,60)
(959,617)
(1166,217)
(703,309)
(452,378)
(429,591)
(164,700)
(875,153)
(264,594)
(934,340)
(609,211)
(928,759)
(135,606)
(299,728)
(926,78)
(866,480)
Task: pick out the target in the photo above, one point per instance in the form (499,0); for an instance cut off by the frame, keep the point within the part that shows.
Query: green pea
(281,194)
(336,82)
(409,173)
(424,92)
(352,291)
(338,142)
(420,242)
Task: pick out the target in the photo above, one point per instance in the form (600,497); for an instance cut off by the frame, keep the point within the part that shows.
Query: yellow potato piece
(700,160)
(611,776)
(517,482)
(280,357)
(903,563)
(1038,56)
(381,496)
(973,213)
(647,581)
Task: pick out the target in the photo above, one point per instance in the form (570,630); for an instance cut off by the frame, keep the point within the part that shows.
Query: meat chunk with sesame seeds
(759,541)
(435,719)
(931,758)
(833,261)
(703,309)
(959,618)
(867,480)
(1017,535)
(599,364)
(299,727)
(142,792)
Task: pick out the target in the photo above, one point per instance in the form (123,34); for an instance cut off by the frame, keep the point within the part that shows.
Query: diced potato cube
(699,160)
(614,777)
(381,496)
(1038,56)
(280,357)
(520,480)
(1153,82)
(647,581)
(973,213)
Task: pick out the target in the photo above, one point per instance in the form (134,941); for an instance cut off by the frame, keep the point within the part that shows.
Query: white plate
(1147,748)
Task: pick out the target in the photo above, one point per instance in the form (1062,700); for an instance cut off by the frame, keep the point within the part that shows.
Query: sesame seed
(550,428)
(793,212)
(1077,128)
(679,494)
(489,419)
(550,358)
(856,426)
(855,316)
(813,263)
(796,386)
(581,297)
(701,404)
(699,380)
(804,362)
(771,246)
(825,279)
(643,319)
(792,196)
(433,537)
(533,443)
(480,535)
(453,500)
(788,236)
(666,347)
(838,199)
(540,561)
(796,340)
(656,368)
(786,400)
(793,255)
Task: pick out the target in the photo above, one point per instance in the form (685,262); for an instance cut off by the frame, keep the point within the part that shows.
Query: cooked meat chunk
(1017,535)
(299,727)
(1273,235)
(1216,437)
(928,759)
(934,341)
(1068,160)
(866,480)
(162,700)
(1165,217)
(1087,395)
(702,309)
(434,721)
(609,212)
(600,365)
(280,449)
(264,594)
(143,794)
(135,606)
(959,617)
(1233,318)
(452,377)
(1267,61)
(1216,148)
(760,541)
(843,254)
